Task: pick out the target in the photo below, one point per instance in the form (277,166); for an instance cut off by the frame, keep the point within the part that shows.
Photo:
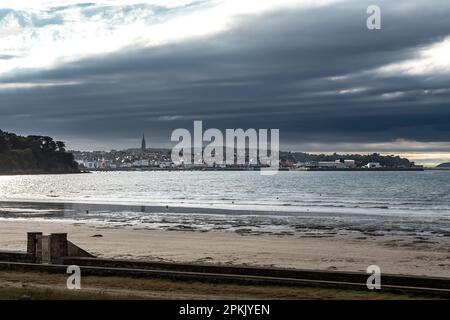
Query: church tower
(143,144)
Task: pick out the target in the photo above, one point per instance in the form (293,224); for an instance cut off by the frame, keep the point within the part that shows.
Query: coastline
(235,218)
(36,173)
(398,255)
(232,169)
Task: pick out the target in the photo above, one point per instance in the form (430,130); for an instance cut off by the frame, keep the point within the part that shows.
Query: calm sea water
(289,202)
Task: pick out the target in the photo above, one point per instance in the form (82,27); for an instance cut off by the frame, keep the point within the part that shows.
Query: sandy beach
(398,255)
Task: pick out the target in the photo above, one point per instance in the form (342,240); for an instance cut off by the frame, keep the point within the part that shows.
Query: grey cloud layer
(271,71)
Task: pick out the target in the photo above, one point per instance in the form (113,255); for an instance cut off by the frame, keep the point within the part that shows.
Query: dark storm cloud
(270,71)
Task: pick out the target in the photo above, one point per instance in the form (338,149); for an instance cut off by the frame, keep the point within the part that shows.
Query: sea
(246,202)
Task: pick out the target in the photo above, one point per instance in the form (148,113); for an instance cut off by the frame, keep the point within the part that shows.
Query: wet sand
(399,255)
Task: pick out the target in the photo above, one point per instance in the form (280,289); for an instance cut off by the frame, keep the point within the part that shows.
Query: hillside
(444,165)
(34,154)
(389,161)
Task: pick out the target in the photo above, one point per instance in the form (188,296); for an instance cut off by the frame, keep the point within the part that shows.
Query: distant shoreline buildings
(144,158)
(337,164)
(124,159)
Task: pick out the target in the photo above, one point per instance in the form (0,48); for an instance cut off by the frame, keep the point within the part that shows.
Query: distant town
(144,158)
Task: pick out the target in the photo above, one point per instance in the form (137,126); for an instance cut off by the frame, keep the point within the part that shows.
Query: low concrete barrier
(354,277)
(219,278)
(16,257)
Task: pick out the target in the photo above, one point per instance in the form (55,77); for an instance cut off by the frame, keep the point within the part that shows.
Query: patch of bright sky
(433,59)
(44,34)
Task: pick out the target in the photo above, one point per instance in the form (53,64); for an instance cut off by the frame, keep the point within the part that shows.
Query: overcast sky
(99,74)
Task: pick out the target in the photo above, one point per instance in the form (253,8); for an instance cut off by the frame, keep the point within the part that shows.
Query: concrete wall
(75,251)
(16,257)
(45,249)
(58,247)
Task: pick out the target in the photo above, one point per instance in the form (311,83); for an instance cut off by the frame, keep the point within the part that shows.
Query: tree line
(388,161)
(34,154)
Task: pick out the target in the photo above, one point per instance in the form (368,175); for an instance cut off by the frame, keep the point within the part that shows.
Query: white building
(331,164)
(166,164)
(126,165)
(373,165)
(91,164)
(141,163)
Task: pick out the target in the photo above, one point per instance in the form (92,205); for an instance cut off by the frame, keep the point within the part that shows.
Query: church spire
(143,144)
